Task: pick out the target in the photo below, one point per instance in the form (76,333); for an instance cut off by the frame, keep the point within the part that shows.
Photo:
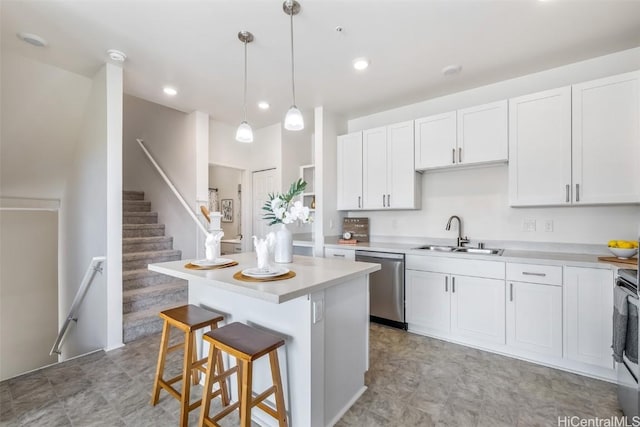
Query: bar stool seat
(246,344)
(188,319)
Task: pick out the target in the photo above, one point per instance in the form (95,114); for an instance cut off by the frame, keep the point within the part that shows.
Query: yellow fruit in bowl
(625,245)
(612,243)
(635,244)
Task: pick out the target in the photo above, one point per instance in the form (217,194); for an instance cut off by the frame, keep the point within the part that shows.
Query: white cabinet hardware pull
(359,202)
(388,200)
(577,192)
(527,273)
(510,291)
(567,191)
(339,255)
(446,283)
(460,155)
(453,155)
(453,285)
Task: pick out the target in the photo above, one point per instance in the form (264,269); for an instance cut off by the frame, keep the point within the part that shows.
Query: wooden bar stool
(188,319)
(246,344)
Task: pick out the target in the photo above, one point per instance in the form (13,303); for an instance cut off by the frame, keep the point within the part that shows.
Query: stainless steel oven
(628,372)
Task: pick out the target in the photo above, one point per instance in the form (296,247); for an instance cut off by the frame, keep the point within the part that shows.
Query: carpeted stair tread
(166,293)
(142,230)
(136,206)
(151,243)
(142,323)
(151,254)
(140,218)
(133,195)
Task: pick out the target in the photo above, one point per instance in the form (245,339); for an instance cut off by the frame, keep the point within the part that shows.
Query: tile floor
(413,381)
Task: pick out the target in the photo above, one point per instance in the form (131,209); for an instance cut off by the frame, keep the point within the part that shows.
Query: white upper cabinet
(435,141)
(606,140)
(540,148)
(349,171)
(576,145)
(482,134)
(386,175)
(464,137)
(374,168)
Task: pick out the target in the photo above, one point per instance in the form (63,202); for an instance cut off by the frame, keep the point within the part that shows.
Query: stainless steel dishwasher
(386,288)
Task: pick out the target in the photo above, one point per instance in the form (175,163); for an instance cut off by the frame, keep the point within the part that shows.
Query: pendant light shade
(293,120)
(244,132)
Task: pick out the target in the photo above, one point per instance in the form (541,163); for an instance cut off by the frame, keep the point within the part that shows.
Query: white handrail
(95,266)
(172,187)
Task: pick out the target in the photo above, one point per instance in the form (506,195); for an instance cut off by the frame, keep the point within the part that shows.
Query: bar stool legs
(246,344)
(188,319)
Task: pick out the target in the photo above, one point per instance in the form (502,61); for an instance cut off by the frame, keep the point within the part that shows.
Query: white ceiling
(193,46)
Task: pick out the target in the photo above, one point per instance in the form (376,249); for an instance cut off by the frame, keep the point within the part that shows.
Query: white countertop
(509,255)
(312,274)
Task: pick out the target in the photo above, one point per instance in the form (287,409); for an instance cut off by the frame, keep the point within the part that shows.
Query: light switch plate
(529,224)
(548,225)
(318,310)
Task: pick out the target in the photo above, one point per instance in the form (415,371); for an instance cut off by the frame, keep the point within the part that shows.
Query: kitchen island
(323,314)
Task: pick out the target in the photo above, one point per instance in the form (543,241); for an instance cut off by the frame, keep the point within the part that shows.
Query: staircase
(145,293)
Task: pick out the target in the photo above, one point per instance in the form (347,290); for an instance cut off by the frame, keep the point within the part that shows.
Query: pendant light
(293,119)
(244,132)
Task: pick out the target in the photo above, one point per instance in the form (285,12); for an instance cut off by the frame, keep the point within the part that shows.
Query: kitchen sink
(480,251)
(438,248)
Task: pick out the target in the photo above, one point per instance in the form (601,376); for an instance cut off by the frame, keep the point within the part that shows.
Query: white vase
(283,251)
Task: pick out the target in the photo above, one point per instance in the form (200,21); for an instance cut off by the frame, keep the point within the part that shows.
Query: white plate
(207,263)
(256,272)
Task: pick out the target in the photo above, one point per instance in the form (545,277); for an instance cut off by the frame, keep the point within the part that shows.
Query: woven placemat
(243,278)
(213,267)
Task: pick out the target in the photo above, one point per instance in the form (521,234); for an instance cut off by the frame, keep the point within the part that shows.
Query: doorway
(264,183)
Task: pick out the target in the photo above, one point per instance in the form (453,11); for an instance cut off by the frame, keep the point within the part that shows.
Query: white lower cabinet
(428,301)
(588,308)
(534,318)
(477,309)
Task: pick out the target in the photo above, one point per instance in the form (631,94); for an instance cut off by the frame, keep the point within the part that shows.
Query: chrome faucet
(461,240)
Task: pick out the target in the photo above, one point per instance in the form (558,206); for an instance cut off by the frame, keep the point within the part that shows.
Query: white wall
(83,226)
(28,290)
(170,137)
(42,108)
(479,196)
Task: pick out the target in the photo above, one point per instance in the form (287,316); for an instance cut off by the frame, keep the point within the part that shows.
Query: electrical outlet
(318,310)
(548,225)
(529,224)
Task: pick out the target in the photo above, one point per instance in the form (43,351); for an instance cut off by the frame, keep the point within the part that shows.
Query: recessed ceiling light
(169,91)
(32,39)
(451,70)
(116,55)
(263,105)
(360,64)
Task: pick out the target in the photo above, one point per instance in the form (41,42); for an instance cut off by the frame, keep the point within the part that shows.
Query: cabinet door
(540,148)
(534,318)
(374,168)
(402,183)
(606,140)
(477,309)
(435,141)
(588,302)
(482,133)
(428,301)
(349,171)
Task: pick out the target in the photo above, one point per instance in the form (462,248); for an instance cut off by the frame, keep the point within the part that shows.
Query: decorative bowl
(624,253)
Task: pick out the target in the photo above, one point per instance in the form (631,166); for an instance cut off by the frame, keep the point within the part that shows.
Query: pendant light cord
(293,79)
(245,81)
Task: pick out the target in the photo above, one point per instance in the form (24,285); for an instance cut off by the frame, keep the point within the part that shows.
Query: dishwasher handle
(381,255)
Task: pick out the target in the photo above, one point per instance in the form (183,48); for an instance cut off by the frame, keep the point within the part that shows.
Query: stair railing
(172,187)
(95,266)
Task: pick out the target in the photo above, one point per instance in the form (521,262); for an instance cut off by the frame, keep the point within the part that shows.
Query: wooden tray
(633,261)
(243,278)
(213,267)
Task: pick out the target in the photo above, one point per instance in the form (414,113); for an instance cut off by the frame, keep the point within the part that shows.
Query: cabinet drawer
(535,273)
(348,254)
(455,265)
